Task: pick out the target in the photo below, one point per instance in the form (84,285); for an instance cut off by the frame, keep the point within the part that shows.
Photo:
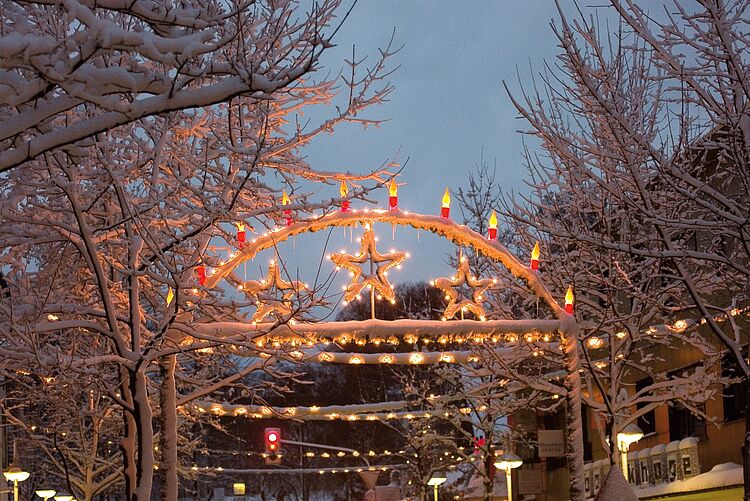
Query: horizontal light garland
(288,471)
(374,332)
(357,412)
(679,326)
(313,454)
(413,358)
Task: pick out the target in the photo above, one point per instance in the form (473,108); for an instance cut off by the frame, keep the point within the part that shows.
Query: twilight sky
(448,105)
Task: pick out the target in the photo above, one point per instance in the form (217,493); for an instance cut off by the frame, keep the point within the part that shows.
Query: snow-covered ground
(721,475)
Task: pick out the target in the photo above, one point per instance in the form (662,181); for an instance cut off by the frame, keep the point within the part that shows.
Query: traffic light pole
(322,446)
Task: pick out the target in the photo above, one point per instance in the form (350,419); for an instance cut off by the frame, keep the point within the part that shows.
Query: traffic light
(272,440)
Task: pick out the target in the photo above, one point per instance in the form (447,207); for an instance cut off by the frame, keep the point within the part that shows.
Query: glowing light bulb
(287,212)
(344,191)
(569,300)
(393,198)
(535,252)
(493,226)
(445,209)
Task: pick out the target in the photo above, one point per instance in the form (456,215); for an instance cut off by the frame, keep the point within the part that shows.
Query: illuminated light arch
(459,234)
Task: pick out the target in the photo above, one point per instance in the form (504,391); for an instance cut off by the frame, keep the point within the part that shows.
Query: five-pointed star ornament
(450,286)
(380,264)
(268,303)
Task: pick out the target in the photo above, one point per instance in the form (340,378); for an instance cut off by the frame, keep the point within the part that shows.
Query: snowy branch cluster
(133,136)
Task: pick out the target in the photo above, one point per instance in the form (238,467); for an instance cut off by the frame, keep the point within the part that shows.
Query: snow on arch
(457,233)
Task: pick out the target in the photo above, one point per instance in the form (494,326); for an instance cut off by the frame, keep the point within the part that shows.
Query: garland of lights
(354,412)
(285,471)
(459,234)
(373,331)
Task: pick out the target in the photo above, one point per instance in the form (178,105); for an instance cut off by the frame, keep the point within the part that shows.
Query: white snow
(616,488)
(721,475)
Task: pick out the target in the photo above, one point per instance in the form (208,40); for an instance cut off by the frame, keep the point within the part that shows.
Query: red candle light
(493,226)
(344,191)
(535,252)
(287,212)
(393,198)
(445,210)
(569,300)
(200,270)
(241,235)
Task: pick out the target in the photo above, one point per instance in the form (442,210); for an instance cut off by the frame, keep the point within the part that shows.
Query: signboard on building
(551,443)
(530,481)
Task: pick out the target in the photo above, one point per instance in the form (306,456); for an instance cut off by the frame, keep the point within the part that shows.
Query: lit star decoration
(383,263)
(266,303)
(450,287)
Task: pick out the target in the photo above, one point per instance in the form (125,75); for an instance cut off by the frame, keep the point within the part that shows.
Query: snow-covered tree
(134,137)
(68,428)
(619,302)
(645,131)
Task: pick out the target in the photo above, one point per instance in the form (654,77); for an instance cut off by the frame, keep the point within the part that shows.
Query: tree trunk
(487,482)
(127,443)
(487,485)
(144,464)
(168,401)
(573,422)
(746,454)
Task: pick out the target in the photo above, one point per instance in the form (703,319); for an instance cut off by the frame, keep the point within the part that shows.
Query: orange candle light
(535,252)
(493,226)
(445,210)
(287,212)
(241,234)
(569,300)
(393,198)
(200,270)
(344,191)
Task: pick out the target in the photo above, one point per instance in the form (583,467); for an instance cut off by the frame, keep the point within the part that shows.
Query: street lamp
(45,493)
(15,474)
(63,497)
(508,462)
(437,479)
(629,435)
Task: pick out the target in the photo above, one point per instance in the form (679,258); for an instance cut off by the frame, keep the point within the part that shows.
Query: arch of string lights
(377,332)
(301,338)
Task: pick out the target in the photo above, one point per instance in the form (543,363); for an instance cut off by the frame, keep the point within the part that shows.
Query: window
(736,395)
(647,422)
(588,454)
(682,422)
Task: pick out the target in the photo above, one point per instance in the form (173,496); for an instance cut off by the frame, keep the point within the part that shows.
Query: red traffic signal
(272,440)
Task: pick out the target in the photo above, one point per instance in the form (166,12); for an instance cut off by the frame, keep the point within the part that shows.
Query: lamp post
(437,479)
(15,474)
(508,462)
(45,493)
(629,435)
